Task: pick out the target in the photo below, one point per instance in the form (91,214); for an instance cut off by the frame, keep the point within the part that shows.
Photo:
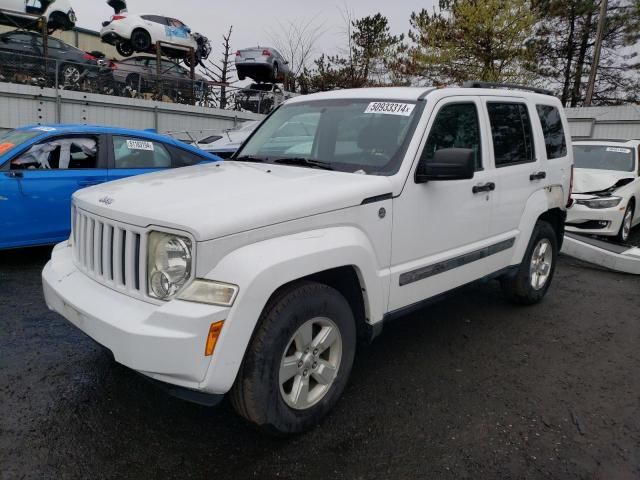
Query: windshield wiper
(303,162)
(249,158)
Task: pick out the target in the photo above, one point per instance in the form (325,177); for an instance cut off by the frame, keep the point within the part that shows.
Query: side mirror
(447,164)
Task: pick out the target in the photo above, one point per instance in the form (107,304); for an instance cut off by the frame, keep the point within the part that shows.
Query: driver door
(39,184)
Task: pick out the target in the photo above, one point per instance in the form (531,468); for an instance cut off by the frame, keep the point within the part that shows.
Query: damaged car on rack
(606,188)
(131,33)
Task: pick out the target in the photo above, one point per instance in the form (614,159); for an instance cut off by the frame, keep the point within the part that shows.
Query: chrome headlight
(603,202)
(169,262)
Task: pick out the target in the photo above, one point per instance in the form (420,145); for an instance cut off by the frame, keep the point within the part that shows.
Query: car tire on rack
(627,222)
(124,48)
(530,282)
(298,361)
(69,74)
(140,40)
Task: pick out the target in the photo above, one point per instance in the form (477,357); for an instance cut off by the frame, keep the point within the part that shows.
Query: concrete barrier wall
(26,104)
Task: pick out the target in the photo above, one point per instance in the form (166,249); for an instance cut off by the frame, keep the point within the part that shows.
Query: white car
(225,143)
(256,276)
(59,13)
(131,33)
(606,188)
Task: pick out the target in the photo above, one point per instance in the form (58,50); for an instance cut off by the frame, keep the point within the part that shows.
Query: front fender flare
(261,268)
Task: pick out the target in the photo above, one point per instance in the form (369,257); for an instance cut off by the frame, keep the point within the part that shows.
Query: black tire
(623,233)
(256,394)
(276,72)
(136,82)
(196,57)
(124,48)
(140,40)
(241,76)
(518,286)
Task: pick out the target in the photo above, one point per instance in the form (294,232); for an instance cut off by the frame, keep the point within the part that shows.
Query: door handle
(14,174)
(484,187)
(537,176)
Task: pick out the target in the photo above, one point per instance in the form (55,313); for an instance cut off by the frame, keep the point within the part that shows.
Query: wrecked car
(606,188)
(41,166)
(131,33)
(58,13)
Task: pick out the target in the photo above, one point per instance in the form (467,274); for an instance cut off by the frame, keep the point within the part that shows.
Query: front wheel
(530,282)
(627,222)
(299,359)
(124,48)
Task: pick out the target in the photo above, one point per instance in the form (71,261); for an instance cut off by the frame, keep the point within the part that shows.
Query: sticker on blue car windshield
(45,129)
(390,108)
(618,150)
(139,145)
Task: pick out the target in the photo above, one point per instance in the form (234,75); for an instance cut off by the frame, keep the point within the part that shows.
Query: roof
(413,94)
(619,113)
(52,129)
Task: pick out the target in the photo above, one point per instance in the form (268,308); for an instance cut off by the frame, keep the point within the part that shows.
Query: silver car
(141,73)
(263,64)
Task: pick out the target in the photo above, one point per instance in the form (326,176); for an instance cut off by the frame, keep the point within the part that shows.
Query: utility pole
(596,53)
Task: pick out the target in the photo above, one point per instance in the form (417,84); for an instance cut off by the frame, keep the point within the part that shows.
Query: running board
(614,256)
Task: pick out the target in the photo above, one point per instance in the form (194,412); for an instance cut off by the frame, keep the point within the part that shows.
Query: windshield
(14,138)
(352,135)
(602,157)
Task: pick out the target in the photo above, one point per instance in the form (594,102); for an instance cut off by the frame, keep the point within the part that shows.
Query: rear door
(519,170)
(46,176)
(131,155)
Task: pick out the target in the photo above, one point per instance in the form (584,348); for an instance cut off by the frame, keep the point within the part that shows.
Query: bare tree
(296,40)
(222,71)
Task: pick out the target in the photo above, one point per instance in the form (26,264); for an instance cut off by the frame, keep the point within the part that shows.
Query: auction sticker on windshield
(618,150)
(139,145)
(390,108)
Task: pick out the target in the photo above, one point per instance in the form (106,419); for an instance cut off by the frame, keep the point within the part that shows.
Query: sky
(254,20)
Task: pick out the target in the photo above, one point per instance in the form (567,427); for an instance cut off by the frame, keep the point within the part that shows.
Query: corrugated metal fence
(27,104)
(615,122)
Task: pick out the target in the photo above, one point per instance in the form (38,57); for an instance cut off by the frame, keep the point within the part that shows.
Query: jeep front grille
(110,252)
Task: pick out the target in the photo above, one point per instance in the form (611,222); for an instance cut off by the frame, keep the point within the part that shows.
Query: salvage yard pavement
(471,387)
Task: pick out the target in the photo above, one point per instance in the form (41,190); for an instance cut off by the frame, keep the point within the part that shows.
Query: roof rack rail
(512,86)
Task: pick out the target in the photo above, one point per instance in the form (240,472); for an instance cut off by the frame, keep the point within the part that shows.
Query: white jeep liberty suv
(343,210)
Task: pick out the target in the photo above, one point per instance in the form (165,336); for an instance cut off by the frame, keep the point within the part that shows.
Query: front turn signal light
(212,338)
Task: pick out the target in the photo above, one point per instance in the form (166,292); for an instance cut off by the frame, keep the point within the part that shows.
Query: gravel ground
(471,387)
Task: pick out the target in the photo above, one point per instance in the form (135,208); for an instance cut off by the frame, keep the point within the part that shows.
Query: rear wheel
(531,281)
(135,82)
(140,40)
(627,222)
(299,360)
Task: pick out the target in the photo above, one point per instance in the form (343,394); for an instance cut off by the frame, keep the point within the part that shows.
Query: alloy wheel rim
(71,75)
(310,363)
(541,260)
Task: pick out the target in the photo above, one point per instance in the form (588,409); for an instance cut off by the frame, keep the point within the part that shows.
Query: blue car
(41,166)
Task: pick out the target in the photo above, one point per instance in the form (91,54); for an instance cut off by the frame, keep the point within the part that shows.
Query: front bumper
(606,221)
(165,342)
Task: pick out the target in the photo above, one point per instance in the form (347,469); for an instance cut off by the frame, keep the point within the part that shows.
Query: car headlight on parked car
(209,291)
(604,202)
(169,261)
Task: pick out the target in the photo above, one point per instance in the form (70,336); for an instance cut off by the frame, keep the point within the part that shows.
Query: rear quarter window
(553,131)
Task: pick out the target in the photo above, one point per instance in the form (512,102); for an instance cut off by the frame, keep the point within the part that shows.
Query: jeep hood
(592,181)
(224,198)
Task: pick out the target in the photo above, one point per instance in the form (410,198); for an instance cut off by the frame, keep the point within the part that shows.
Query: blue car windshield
(14,138)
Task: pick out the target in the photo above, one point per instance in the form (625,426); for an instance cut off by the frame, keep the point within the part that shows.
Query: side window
(554,139)
(155,19)
(455,126)
(511,133)
(182,158)
(131,152)
(59,154)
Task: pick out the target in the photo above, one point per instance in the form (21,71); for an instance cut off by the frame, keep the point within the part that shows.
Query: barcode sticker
(390,108)
(618,150)
(139,145)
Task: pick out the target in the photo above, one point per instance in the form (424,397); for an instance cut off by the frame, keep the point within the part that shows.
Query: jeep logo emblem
(106,200)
